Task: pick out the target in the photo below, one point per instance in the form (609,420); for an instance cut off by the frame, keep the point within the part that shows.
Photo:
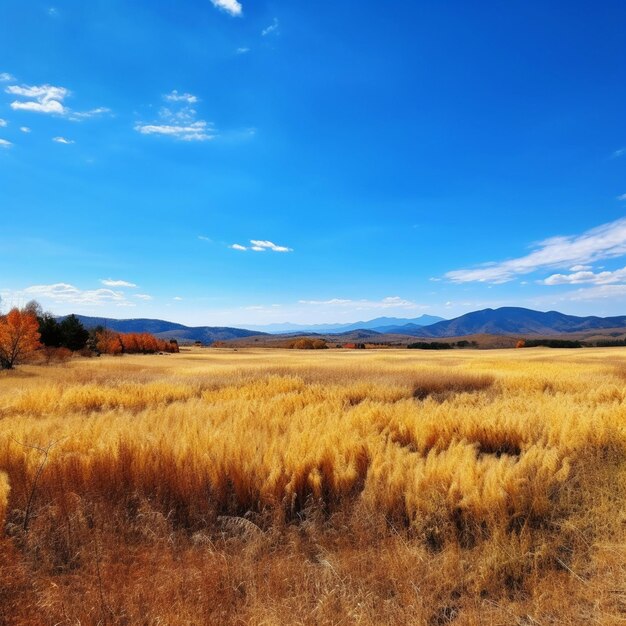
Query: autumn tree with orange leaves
(109,342)
(19,337)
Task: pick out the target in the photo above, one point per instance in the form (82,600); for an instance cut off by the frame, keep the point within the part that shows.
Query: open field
(385,340)
(317,487)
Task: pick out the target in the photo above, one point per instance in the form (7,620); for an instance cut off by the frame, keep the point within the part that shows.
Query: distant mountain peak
(518,321)
(378,324)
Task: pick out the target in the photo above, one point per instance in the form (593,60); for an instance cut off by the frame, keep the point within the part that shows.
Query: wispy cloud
(242,50)
(5,77)
(109,282)
(391,302)
(229,6)
(65,292)
(39,98)
(622,196)
(64,140)
(197,131)
(174,96)
(25,129)
(143,296)
(180,123)
(599,292)
(603,242)
(619,153)
(203,238)
(79,116)
(4,143)
(3,123)
(271,29)
(259,245)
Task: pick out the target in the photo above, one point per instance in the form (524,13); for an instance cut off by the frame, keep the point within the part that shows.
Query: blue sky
(225,162)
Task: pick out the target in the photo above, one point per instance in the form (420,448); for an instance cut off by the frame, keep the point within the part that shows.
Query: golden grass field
(320,487)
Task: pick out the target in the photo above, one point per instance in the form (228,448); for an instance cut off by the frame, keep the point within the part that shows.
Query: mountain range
(517,321)
(379,324)
(502,321)
(169,330)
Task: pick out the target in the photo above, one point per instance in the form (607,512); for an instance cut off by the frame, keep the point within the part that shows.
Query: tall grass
(271,487)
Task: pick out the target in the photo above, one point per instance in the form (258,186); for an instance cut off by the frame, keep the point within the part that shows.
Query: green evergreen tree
(50,331)
(74,334)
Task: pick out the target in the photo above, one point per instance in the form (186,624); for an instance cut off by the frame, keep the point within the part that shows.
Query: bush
(549,343)
(308,344)
(56,355)
(433,345)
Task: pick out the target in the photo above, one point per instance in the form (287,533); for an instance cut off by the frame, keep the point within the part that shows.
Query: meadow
(315,487)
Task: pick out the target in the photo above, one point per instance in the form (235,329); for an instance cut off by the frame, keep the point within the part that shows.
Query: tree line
(28,331)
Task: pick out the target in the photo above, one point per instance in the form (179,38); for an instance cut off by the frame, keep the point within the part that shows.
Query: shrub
(308,344)
(56,355)
(550,343)
(433,345)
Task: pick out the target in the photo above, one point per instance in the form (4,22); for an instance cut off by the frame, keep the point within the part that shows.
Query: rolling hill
(514,320)
(169,330)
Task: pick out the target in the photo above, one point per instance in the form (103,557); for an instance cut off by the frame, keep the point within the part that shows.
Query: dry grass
(329,487)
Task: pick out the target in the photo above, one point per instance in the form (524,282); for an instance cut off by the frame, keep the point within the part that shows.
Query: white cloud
(196,131)
(143,296)
(180,124)
(598,293)
(3,123)
(63,140)
(79,116)
(5,77)
(5,144)
(203,238)
(386,303)
(619,153)
(585,276)
(64,292)
(622,196)
(109,282)
(230,6)
(268,245)
(272,28)
(25,129)
(580,268)
(603,242)
(242,50)
(177,298)
(40,98)
(49,99)
(259,245)
(174,96)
